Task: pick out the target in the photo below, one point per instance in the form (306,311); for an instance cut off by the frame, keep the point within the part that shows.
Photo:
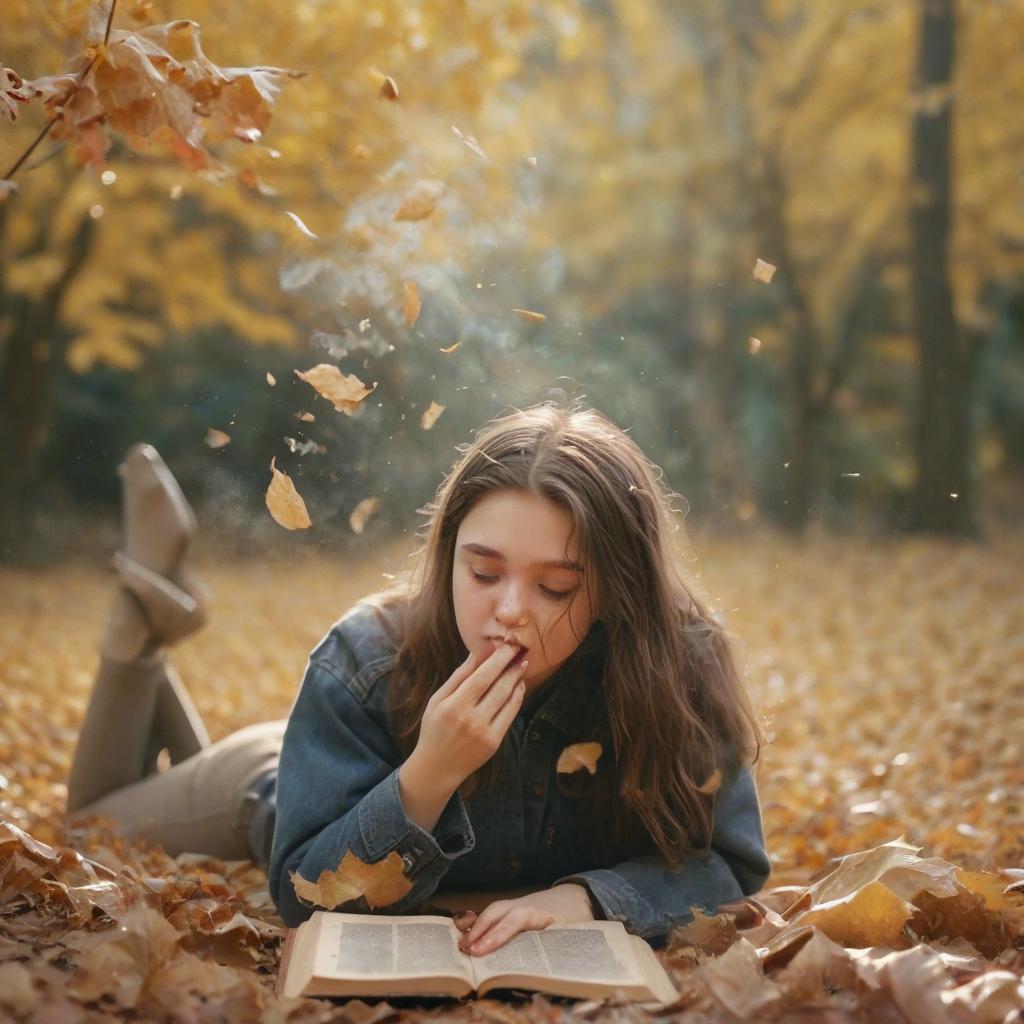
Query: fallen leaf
(430,415)
(420,201)
(530,316)
(411,303)
(764,272)
(736,980)
(381,883)
(271,379)
(285,503)
(577,756)
(344,392)
(389,89)
(305,417)
(753,345)
(361,513)
(872,916)
(216,438)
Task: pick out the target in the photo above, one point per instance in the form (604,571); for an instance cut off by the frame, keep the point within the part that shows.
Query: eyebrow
(555,563)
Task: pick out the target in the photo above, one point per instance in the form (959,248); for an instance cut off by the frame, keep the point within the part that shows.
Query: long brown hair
(674,708)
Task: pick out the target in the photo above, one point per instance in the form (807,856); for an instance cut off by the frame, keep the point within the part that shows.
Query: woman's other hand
(503,919)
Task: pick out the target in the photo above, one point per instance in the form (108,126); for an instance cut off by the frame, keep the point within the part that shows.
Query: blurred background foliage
(616,165)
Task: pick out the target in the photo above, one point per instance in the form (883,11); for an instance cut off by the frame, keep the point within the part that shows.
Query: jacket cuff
(385,826)
(619,901)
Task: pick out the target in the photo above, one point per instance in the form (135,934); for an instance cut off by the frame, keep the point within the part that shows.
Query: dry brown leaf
(284,502)
(577,756)
(451,348)
(420,200)
(381,884)
(753,345)
(713,783)
(344,392)
(411,304)
(362,512)
(430,415)
(736,980)
(711,934)
(305,417)
(530,316)
(216,438)
(872,916)
(764,272)
(389,89)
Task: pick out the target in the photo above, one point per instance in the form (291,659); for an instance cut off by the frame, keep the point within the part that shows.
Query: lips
(520,654)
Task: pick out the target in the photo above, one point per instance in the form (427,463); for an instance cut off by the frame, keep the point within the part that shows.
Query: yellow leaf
(430,415)
(577,756)
(271,379)
(530,316)
(389,89)
(305,417)
(343,392)
(362,512)
(872,916)
(381,883)
(285,503)
(419,202)
(413,304)
(451,348)
(216,438)
(763,272)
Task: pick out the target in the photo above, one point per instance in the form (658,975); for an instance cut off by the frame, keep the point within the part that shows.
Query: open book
(335,954)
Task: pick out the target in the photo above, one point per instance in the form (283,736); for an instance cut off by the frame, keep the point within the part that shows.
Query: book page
(583,953)
(358,946)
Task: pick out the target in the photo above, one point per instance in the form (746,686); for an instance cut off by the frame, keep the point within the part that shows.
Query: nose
(511,609)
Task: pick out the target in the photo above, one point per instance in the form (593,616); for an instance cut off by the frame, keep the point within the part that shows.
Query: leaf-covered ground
(890,675)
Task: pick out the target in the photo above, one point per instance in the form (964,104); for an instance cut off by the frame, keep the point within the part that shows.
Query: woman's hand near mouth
(462,727)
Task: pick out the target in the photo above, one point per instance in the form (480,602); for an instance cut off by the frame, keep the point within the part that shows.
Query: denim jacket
(337,790)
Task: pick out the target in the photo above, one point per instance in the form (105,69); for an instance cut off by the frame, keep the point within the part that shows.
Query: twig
(49,124)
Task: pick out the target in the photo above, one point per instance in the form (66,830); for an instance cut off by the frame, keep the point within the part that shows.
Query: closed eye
(556,595)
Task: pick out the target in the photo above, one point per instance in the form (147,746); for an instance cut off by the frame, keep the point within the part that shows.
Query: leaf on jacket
(344,392)
(420,201)
(411,303)
(577,756)
(285,503)
(381,883)
(216,438)
(430,415)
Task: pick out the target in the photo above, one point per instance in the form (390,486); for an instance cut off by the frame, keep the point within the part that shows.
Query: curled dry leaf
(389,89)
(530,316)
(430,415)
(301,225)
(411,303)
(305,417)
(12,92)
(361,514)
(381,883)
(216,438)
(451,348)
(764,272)
(577,756)
(344,392)
(420,201)
(713,783)
(285,503)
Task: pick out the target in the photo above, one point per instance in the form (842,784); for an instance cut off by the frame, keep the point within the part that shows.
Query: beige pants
(138,709)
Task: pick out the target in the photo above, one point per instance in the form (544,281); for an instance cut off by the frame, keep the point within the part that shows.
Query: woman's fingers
(518,919)
(460,675)
(492,666)
(505,714)
(464,919)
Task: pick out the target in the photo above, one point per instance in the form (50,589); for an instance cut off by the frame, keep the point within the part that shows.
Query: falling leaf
(764,272)
(577,756)
(298,222)
(713,783)
(344,392)
(362,512)
(451,348)
(530,316)
(430,415)
(470,142)
(531,162)
(411,303)
(216,438)
(271,379)
(753,345)
(420,201)
(284,502)
(305,417)
(362,153)
(381,883)
(389,89)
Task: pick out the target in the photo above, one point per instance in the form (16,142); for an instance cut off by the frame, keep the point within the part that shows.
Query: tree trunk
(31,355)
(942,499)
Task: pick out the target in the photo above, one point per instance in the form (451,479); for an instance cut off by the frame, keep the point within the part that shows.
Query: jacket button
(514,865)
(538,790)
(534,736)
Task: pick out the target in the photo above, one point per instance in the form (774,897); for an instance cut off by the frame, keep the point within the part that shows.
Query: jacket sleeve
(651,899)
(337,790)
